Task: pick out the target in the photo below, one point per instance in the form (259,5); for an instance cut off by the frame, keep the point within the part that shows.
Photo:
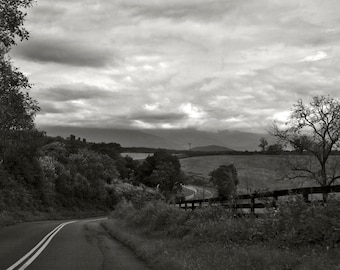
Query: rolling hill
(211,148)
(179,139)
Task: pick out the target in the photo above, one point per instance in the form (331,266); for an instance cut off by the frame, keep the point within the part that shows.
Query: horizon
(177,139)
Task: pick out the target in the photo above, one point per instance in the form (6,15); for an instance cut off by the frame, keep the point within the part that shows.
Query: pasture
(255,172)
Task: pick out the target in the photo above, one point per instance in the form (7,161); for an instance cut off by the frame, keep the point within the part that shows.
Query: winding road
(75,244)
(198,193)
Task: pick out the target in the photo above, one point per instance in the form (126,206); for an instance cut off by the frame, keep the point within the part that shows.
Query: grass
(256,172)
(299,236)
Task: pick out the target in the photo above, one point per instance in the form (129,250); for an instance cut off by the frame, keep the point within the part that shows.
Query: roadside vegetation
(296,236)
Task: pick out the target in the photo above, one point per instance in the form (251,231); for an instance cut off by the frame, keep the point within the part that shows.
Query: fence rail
(252,204)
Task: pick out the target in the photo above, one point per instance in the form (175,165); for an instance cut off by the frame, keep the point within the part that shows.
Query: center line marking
(40,246)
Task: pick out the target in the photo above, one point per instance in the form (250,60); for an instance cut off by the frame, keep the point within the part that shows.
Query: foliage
(297,223)
(11,21)
(138,196)
(127,167)
(314,128)
(296,236)
(110,149)
(162,170)
(294,224)
(17,109)
(20,156)
(225,179)
(274,149)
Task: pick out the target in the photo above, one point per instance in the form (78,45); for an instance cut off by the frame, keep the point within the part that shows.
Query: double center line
(26,260)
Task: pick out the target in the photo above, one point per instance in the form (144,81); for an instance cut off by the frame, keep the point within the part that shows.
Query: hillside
(125,137)
(211,148)
(255,172)
(178,139)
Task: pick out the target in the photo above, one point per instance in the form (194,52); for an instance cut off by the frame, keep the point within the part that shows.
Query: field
(256,172)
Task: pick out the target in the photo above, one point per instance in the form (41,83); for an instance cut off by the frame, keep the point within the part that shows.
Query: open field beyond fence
(255,172)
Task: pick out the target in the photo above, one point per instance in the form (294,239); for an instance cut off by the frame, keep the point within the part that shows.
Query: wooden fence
(259,199)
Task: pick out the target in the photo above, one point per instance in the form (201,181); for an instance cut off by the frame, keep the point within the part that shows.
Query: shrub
(297,223)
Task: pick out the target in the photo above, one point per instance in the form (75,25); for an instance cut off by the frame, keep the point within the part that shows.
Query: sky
(171,64)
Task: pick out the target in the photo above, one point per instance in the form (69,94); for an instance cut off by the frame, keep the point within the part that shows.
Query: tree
(274,149)
(225,179)
(314,128)
(98,170)
(263,144)
(12,21)
(17,108)
(167,179)
(162,170)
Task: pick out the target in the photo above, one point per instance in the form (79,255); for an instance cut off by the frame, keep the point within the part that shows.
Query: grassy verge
(297,237)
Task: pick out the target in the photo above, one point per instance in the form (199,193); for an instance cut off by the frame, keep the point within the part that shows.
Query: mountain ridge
(177,139)
(211,148)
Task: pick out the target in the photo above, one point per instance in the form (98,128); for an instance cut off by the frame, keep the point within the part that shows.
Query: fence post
(275,198)
(305,195)
(192,206)
(185,205)
(252,204)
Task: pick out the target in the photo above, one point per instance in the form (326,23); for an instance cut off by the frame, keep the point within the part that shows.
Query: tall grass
(298,236)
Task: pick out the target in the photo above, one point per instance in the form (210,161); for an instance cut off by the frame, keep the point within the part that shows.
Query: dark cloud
(72,92)
(62,108)
(64,51)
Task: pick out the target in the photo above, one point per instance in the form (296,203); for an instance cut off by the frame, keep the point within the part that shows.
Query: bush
(296,236)
(295,224)
(298,223)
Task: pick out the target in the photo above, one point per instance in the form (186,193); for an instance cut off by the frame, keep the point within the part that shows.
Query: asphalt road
(66,245)
(199,193)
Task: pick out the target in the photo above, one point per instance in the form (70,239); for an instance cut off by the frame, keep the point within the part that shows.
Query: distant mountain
(125,137)
(178,139)
(211,148)
(236,140)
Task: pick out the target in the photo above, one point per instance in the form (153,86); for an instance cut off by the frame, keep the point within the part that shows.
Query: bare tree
(314,129)
(263,144)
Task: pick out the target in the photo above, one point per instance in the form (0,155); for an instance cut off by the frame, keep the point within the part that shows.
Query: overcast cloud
(207,64)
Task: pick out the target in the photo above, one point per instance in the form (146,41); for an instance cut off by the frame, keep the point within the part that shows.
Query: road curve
(78,244)
(199,193)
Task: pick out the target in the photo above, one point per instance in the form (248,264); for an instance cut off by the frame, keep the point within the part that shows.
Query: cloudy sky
(207,64)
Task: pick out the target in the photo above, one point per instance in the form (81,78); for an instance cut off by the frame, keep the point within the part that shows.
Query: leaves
(225,179)
(12,20)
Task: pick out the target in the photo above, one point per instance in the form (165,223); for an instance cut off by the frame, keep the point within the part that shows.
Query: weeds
(297,236)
